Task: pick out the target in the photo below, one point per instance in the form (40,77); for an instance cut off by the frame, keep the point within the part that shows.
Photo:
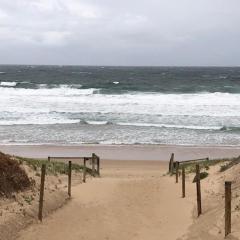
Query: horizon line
(98,65)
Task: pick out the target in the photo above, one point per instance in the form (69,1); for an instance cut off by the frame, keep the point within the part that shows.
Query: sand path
(125,203)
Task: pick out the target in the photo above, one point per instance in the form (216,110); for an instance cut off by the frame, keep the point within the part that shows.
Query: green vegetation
(28,199)
(190,167)
(231,163)
(12,177)
(202,176)
(52,167)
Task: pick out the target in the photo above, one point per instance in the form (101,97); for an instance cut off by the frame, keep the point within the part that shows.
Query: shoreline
(123,152)
(122,144)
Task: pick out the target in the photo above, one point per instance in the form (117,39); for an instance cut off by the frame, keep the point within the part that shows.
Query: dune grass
(52,167)
(227,165)
(190,167)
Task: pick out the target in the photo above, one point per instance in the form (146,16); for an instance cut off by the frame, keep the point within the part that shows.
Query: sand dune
(138,200)
(125,203)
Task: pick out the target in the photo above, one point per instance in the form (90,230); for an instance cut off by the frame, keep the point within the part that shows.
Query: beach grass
(225,163)
(190,167)
(229,164)
(52,167)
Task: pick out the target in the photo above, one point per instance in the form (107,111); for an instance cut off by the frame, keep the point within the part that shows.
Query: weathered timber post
(84,174)
(69,178)
(171,163)
(48,159)
(228,198)
(98,166)
(43,172)
(183,181)
(93,164)
(177,171)
(198,186)
(84,170)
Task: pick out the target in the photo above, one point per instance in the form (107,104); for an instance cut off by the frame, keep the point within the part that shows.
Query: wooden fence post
(43,172)
(198,186)
(228,198)
(84,170)
(93,164)
(84,174)
(98,166)
(69,178)
(177,171)
(48,159)
(171,163)
(183,181)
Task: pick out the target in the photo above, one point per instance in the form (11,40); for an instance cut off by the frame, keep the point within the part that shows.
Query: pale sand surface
(21,210)
(136,200)
(131,200)
(124,152)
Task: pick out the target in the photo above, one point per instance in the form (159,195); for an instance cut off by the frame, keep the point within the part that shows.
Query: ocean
(119,105)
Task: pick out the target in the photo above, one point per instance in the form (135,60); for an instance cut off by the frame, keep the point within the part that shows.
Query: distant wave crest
(159,125)
(8,84)
(230,129)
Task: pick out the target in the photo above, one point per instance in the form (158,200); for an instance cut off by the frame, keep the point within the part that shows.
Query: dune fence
(90,165)
(174,169)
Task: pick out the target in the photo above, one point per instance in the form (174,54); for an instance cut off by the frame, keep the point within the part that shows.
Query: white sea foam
(97,122)
(61,91)
(171,126)
(43,101)
(8,84)
(158,125)
(81,72)
(41,121)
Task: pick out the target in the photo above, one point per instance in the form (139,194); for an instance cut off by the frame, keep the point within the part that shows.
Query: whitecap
(97,122)
(193,127)
(8,84)
(81,73)
(40,121)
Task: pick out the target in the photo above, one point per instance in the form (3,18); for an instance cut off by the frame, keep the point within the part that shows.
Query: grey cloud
(143,32)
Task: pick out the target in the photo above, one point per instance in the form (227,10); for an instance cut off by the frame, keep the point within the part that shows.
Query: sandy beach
(136,199)
(124,152)
(131,200)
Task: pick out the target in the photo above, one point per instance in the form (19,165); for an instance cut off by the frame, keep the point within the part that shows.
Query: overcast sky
(120,32)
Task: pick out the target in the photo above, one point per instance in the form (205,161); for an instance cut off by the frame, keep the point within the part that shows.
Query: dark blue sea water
(119,105)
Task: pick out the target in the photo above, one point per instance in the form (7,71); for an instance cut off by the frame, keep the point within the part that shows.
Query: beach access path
(131,200)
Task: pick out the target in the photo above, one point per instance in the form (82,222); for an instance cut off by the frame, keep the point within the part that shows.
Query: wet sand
(124,152)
